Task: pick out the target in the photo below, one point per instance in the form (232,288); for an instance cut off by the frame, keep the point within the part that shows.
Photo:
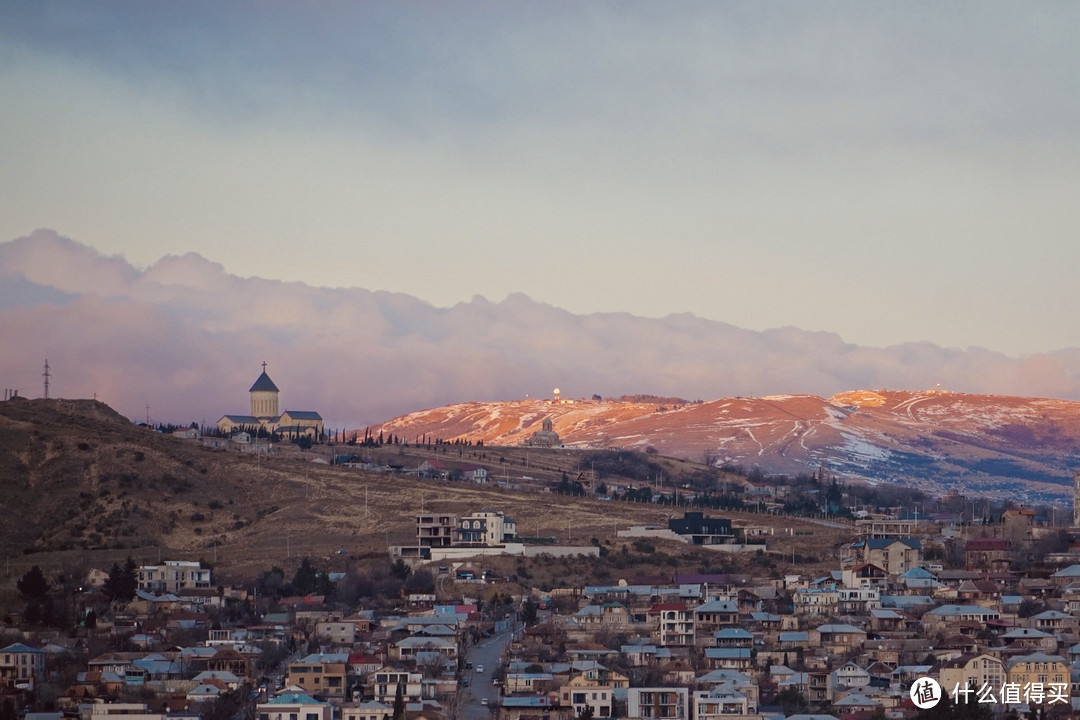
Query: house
(714,615)
(893,555)
(816,601)
(658,703)
(527,682)
(336,632)
(988,553)
(21,664)
(382,684)
(1047,670)
(293,705)
(99,710)
(855,703)
(173,575)
(729,658)
(971,669)
(734,637)
(537,707)
(580,693)
(719,704)
(487,528)
(848,676)
(857,600)
(672,623)
(1030,639)
(321,674)
(837,638)
(865,575)
(370,710)
(474,473)
(697,529)
(435,529)
(945,617)
(1054,621)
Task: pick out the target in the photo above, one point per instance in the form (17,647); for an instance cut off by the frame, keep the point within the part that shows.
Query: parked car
(484,701)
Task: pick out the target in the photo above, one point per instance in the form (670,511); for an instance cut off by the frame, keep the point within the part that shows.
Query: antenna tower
(46,375)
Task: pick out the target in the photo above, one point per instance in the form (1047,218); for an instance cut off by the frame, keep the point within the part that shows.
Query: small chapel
(264,414)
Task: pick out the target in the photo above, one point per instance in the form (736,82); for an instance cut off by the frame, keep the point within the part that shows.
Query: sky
(889,172)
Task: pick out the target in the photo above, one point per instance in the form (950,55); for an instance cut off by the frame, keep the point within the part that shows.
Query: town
(445,634)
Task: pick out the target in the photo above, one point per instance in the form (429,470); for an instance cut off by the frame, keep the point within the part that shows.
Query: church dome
(264,384)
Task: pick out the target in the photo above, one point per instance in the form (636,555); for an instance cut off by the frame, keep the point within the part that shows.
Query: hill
(985,445)
(85,487)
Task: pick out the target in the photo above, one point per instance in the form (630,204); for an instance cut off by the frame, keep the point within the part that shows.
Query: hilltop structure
(264,414)
(545,437)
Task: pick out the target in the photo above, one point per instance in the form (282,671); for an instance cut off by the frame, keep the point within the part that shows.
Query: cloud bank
(187,339)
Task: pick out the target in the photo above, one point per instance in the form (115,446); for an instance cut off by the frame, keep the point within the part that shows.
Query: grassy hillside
(83,487)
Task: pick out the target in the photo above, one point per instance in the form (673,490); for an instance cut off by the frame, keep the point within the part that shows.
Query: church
(264,414)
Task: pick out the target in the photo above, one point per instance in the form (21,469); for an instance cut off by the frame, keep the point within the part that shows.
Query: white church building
(264,414)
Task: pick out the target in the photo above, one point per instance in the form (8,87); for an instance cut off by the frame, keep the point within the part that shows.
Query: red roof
(660,607)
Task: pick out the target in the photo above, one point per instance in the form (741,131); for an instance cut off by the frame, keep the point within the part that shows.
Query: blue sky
(887,171)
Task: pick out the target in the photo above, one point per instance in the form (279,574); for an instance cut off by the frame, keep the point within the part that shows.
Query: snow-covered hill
(1024,448)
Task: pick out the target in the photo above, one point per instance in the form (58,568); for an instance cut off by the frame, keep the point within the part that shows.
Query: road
(488,654)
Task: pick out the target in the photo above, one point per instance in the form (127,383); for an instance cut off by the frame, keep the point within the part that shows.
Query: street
(487,654)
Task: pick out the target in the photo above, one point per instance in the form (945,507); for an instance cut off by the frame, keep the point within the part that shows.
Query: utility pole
(46,375)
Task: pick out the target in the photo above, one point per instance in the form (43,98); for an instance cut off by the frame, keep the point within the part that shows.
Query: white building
(487,527)
(294,706)
(172,576)
(658,703)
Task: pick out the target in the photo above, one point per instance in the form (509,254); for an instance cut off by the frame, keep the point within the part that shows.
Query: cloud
(187,338)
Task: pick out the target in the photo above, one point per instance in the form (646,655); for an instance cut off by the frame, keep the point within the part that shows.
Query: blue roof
(737,633)
(264,384)
(303,414)
(243,419)
(727,653)
(20,648)
(293,699)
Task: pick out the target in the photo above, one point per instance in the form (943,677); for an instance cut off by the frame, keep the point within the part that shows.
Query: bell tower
(264,396)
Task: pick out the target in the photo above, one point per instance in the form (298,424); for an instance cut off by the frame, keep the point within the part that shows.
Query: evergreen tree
(399,702)
(33,586)
(529,612)
(305,580)
(122,582)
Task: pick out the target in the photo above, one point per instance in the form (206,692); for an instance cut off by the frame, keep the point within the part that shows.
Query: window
(313,716)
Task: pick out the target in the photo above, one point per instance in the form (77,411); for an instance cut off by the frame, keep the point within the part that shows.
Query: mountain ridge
(938,441)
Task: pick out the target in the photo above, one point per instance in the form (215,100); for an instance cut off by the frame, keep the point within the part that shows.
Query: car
(464,682)
(479,668)
(468,666)
(494,680)
(483,701)
(341,551)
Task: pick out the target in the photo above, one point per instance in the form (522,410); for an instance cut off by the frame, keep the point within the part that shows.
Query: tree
(399,701)
(400,569)
(304,442)
(33,586)
(306,579)
(791,701)
(122,582)
(586,713)
(529,611)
